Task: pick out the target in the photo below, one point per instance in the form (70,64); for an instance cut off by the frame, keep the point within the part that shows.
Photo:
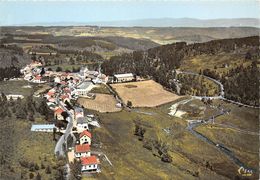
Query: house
(82,122)
(85,137)
(57,114)
(84,88)
(83,71)
(57,79)
(79,112)
(50,94)
(82,150)
(65,97)
(124,77)
(37,79)
(51,99)
(90,164)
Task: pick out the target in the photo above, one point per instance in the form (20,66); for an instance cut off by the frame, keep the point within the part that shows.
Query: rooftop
(42,126)
(124,75)
(85,132)
(84,85)
(82,148)
(89,160)
(81,120)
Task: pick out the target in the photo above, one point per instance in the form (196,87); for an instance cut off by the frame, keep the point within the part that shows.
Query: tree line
(160,62)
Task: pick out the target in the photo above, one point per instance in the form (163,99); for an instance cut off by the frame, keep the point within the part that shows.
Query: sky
(15,12)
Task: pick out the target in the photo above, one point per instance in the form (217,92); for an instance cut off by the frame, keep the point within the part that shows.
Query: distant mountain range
(162,22)
(183,22)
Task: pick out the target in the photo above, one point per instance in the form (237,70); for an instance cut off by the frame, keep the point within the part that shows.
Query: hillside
(160,35)
(160,63)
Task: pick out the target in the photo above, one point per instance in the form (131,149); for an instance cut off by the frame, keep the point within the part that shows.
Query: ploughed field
(144,93)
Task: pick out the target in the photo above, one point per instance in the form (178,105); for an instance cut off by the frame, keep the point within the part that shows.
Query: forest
(160,63)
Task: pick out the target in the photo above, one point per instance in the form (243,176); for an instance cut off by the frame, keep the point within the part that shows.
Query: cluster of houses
(68,86)
(89,162)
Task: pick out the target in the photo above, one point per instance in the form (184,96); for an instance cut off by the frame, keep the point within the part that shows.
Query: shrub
(31,175)
(166,158)
(48,170)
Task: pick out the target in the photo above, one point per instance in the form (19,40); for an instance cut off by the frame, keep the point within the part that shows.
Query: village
(67,87)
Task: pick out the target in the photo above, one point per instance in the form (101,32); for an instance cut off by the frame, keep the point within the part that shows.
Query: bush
(36,167)
(48,170)
(38,177)
(129,104)
(148,145)
(31,175)
(166,158)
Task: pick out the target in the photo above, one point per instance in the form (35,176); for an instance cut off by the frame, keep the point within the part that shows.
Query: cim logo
(245,172)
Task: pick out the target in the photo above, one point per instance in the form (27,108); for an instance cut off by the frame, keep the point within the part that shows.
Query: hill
(161,62)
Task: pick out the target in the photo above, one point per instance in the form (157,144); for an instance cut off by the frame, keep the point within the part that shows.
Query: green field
(192,158)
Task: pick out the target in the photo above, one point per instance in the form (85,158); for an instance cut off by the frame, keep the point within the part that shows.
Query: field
(102,103)
(16,87)
(144,93)
(192,158)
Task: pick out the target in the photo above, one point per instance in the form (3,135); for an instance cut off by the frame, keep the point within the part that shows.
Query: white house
(79,112)
(84,88)
(124,77)
(82,123)
(83,71)
(82,150)
(85,137)
(90,164)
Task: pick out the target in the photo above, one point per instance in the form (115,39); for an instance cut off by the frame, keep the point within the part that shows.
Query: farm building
(124,77)
(43,127)
(14,96)
(90,164)
(84,88)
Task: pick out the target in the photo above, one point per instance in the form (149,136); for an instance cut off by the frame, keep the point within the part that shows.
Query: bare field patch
(102,103)
(144,93)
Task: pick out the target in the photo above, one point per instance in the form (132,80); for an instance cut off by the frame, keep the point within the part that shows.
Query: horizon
(34,13)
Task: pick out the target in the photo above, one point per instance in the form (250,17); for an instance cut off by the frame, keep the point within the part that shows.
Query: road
(192,124)
(63,139)
(221,95)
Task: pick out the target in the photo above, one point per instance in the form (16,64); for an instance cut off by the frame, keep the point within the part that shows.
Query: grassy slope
(18,143)
(210,61)
(131,160)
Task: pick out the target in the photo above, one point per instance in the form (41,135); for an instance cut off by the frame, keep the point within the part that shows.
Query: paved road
(63,139)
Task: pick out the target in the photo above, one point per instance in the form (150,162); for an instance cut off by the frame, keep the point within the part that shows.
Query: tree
(48,170)
(38,177)
(129,104)
(31,175)
(42,71)
(36,167)
(75,170)
(58,69)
